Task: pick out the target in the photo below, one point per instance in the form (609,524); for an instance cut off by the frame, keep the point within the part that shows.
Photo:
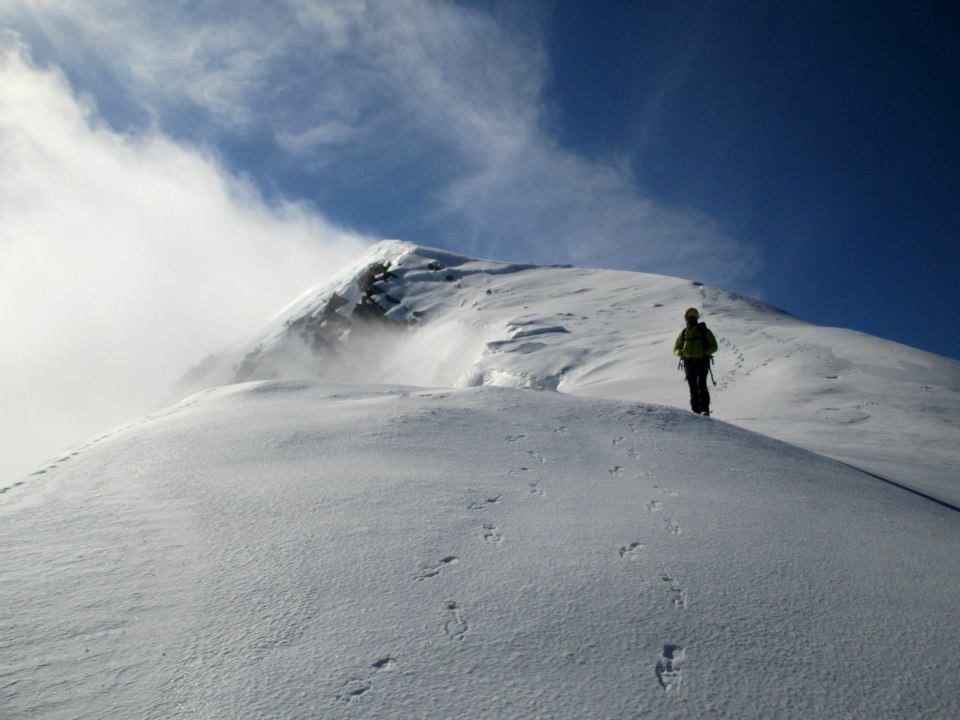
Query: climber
(695,347)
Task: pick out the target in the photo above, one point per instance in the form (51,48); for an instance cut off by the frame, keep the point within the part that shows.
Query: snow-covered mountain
(451,543)
(403,313)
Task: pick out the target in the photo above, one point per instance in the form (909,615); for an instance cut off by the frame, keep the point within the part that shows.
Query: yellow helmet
(692,313)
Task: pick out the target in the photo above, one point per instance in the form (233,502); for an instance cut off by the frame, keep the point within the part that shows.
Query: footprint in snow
(535,488)
(485,503)
(632,551)
(654,506)
(678,596)
(491,533)
(668,670)
(672,527)
(387,663)
(353,689)
(434,570)
(454,626)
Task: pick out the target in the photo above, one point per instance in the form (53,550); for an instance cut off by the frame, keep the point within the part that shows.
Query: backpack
(697,335)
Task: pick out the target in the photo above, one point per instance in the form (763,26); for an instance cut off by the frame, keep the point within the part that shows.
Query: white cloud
(122,262)
(306,142)
(322,74)
(584,211)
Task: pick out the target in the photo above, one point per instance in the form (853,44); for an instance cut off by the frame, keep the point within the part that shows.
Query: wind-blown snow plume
(123,259)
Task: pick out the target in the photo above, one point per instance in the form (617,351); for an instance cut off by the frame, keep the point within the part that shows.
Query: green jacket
(695,342)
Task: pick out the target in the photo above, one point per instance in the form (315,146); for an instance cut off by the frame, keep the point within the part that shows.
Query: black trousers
(697,370)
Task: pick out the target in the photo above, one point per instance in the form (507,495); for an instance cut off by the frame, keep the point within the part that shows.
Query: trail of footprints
(54,464)
(668,668)
(455,625)
(738,364)
(454,621)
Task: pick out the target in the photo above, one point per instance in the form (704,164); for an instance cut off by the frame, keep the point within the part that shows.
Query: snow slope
(302,550)
(403,313)
(460,541)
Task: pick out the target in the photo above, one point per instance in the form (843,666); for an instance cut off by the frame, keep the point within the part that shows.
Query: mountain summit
(404,313)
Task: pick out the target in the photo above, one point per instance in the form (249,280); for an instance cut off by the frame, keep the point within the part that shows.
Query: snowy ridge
(342,329)
(404,313)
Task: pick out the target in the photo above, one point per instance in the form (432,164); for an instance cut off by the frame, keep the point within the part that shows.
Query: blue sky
(824,134)
(803,152)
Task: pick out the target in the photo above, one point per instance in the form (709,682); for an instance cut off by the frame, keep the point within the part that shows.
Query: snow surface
(489,548)
(300,550)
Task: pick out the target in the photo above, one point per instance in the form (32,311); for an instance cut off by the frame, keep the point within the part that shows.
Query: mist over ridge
(123,259)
